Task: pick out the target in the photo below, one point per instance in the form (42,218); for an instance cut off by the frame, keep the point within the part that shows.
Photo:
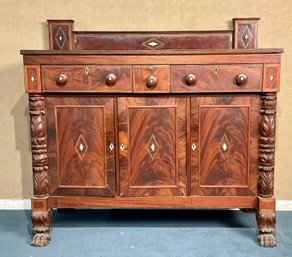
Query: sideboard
(153,120)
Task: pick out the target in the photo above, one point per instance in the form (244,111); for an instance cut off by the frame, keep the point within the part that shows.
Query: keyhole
(216,69)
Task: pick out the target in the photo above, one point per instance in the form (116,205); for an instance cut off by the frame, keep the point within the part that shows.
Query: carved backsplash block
(61,34)
(245,33)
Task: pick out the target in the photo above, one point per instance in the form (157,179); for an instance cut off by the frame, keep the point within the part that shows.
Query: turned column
(41,214)
(266,212)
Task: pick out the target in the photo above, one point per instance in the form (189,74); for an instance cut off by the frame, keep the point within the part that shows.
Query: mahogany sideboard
(153,120)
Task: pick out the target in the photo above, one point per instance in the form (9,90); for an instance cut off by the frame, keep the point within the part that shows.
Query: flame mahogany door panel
(224,138)
(80,145)
(152,146)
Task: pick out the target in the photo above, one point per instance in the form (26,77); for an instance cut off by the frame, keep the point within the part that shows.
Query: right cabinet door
(224,145)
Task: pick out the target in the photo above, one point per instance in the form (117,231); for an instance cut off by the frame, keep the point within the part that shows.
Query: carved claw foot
(41,239)
(267,240)
(41,227)
(266,219)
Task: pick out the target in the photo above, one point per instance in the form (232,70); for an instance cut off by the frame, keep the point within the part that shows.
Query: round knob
(61,79)
(151,81)
(241,79)
(190,79)
(110,79)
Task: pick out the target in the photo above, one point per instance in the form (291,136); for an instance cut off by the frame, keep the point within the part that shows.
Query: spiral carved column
(41,214)
(266,214)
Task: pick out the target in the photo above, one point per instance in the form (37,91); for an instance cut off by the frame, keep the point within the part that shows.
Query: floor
(151,233)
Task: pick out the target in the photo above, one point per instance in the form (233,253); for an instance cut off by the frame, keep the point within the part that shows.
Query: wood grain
(32,78)
(271,56)
(154,202)
(87,78)
(245,33)
(72,122)
(152,40)
(61,34)
(161,170)
(216,77)
(160,72)
(271,78)
(216,121)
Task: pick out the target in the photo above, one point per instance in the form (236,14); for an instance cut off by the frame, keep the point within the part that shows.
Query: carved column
(266,214)
(41,214)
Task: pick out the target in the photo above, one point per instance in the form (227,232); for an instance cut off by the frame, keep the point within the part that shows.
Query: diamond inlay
(60,38)
(81,147)
(152,43)
(111,146)
(152,147)
(224,146)
(246,36)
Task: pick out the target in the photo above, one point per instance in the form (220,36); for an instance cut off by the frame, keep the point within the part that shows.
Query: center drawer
(216,78)
(92,78)
(151,79)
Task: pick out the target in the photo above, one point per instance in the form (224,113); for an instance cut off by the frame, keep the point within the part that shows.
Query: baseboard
(284,205)
(7,204)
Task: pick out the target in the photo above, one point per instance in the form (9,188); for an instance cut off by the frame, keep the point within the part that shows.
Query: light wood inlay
(271,78)
(32,78)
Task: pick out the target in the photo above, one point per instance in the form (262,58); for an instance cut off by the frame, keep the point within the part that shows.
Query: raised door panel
(224,133)
(152,138)
(81,146)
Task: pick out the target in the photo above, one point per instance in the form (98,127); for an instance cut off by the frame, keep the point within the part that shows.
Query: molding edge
(25,204)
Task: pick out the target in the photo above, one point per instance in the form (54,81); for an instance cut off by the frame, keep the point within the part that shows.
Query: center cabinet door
(152,146)
(81,145)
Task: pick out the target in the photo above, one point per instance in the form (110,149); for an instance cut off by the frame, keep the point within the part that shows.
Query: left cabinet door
(81,145)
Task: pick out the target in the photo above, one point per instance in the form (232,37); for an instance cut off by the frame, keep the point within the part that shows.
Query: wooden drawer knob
(110,79)
(151,81)
(241,79)
(190,79)
(61,79)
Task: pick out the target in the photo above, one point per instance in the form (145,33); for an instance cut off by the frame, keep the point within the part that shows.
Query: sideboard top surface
(155,52)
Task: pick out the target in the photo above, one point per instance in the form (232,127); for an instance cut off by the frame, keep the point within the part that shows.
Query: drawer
(218,78)
(151,79)
(95,78)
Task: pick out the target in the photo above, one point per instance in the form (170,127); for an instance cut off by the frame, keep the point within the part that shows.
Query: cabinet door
(224,142)
(81,145)
(152,146)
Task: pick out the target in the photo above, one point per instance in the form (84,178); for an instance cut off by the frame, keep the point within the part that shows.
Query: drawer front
(218,78)
(101,78)
(151,79)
